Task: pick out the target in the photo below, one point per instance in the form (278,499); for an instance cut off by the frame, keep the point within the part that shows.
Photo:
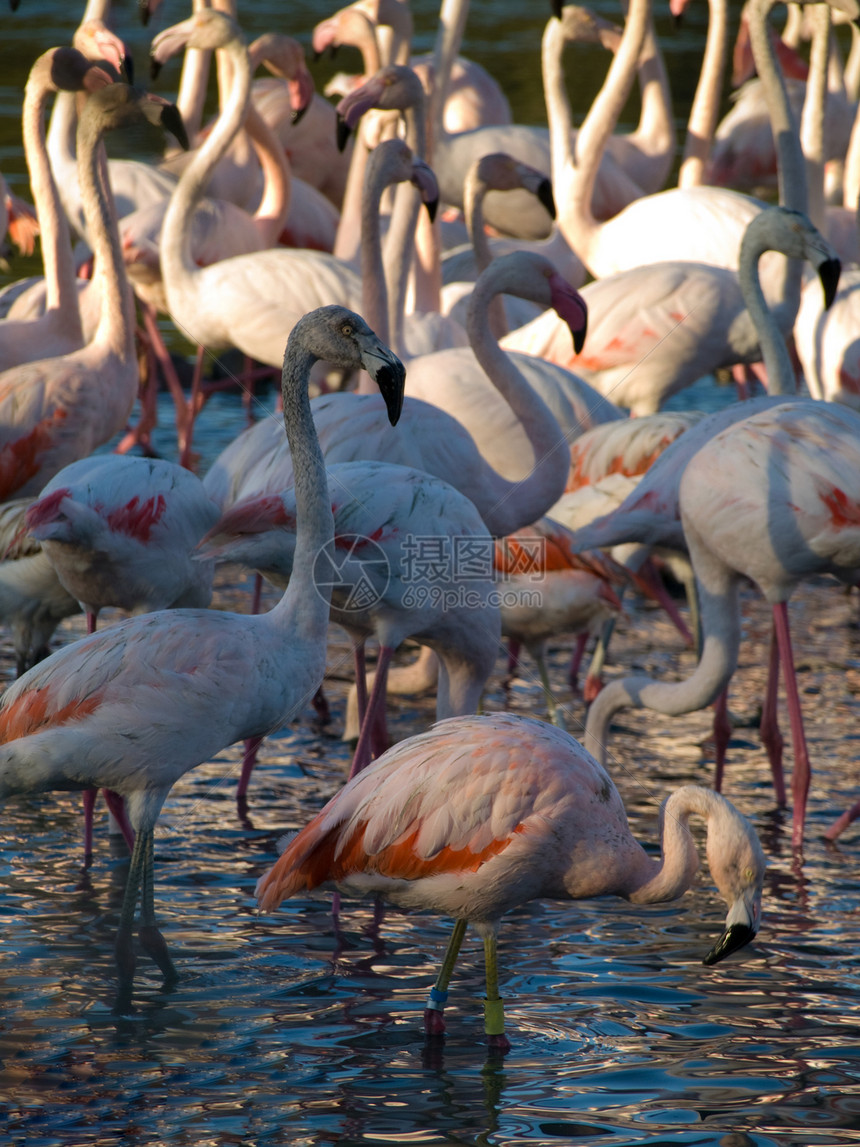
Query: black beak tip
(731,940)
(829,273)
(556,6)
(143,8)
(579,338)
(297,113)
(677,22)
(432,206)
(154,68)
(391,379)
(546,197)
(128,69)
(343,133)
(172,121)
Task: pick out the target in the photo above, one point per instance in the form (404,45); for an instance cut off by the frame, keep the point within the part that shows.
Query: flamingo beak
(829,273)
(344,131)
(545,196)
(733,938)
(570,306)
(386,370)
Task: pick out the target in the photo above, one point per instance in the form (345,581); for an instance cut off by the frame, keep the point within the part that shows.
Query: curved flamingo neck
(791,166)
(812,117)
(60,281)
(474,191)
(400,240)
(545,484)
(271,214)
(346,240)
(115,329)
(306,602)
(374,294)
(654,136)
(177,264)
(579,226)
(780,373)
(721,631)
(702,121)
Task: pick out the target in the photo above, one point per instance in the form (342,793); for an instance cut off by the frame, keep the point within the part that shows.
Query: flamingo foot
(155,945)
(434,1022)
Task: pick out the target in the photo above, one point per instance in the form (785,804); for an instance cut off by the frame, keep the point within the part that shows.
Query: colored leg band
(494,1017)
(438,999)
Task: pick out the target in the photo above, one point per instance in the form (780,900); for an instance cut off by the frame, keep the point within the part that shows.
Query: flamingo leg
(124,949)
(494,1012)
(89,799)
(363,753)
(116,808)
(801,774)
(360,682)
(151,938)
(576,661)
(434,1021)
(770,734)
(593,683)
(249,760)
(513,656)
(842,823)
(552,706)
(722,733)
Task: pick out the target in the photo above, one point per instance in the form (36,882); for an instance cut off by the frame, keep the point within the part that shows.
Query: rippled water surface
(291,1029)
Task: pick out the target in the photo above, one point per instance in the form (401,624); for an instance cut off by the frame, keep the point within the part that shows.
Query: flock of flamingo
(491,375)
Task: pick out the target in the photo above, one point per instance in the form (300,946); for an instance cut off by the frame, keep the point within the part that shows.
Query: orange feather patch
(20,460)
(32,712)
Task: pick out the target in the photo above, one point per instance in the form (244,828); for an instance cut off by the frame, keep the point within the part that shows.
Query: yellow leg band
(494,1017)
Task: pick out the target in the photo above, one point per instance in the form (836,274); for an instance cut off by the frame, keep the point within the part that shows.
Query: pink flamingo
(384,518)
(773,498)
(58,330)
(84,717)
(350,426)
(32,600)
(118,532)
(481,814)
(56,410)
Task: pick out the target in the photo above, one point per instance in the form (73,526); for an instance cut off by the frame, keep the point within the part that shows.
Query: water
(286,1029)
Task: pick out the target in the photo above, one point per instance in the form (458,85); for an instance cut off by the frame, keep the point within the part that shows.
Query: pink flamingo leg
(801,774)
(116,806)
(576,661)
(363,752)
(842,823)
(513,656)
(249,760)
(770,734)
(722,734)
(89,799)
(360,682)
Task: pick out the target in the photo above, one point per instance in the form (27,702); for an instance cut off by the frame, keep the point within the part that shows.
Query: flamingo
(120,530)
(132,182)
(56,410)
(481,814)
(32,600)
(250,300)
(349,426)
(84,717)
(783,484)
(405,546)
(470,383)
(659,328)
(58,330)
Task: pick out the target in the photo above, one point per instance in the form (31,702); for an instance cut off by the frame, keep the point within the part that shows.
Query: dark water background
(286,1030)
